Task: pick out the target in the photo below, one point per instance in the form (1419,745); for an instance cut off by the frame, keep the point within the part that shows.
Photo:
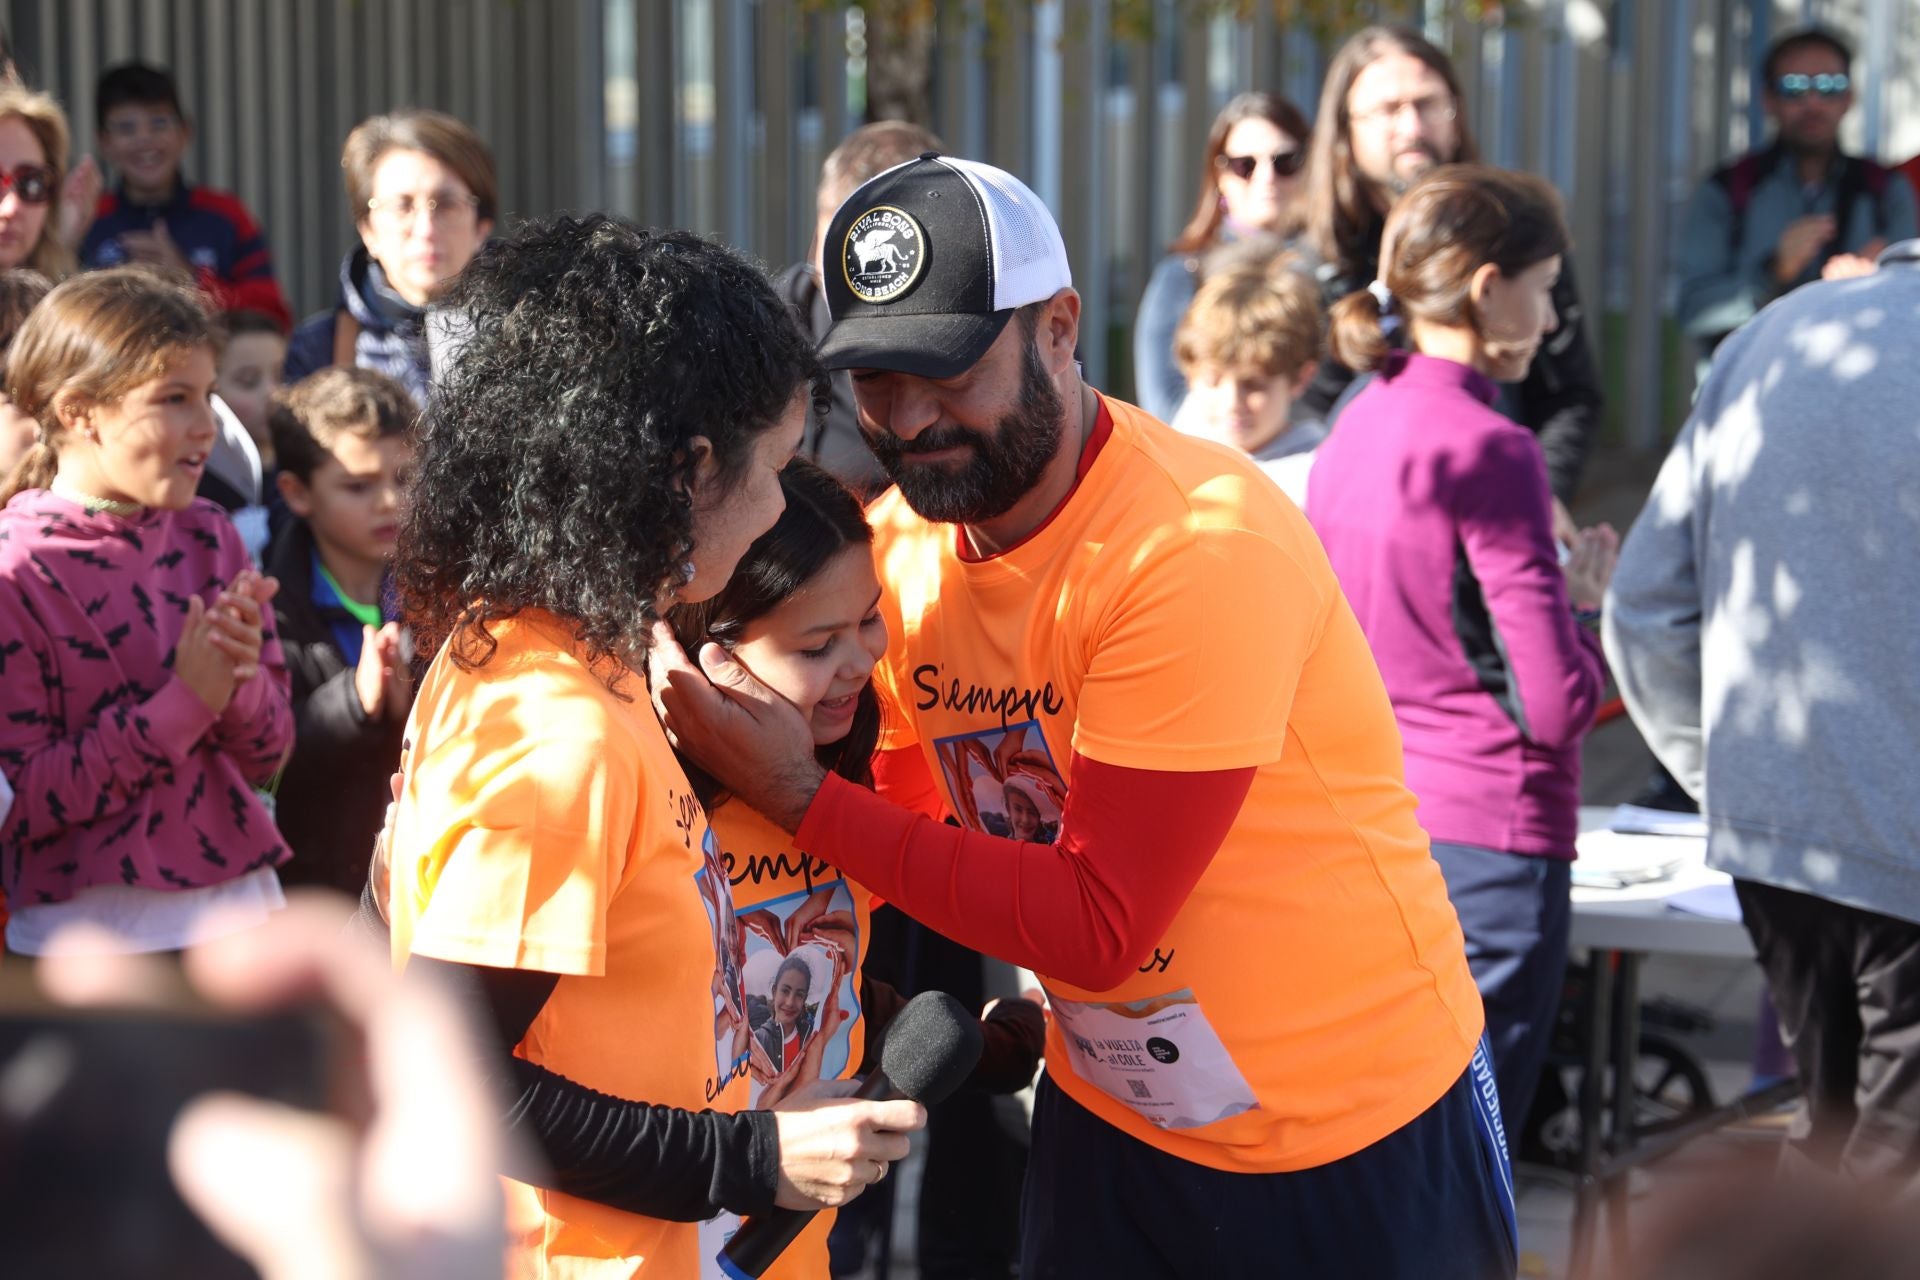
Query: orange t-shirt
(795,907)
(1177,614)
(546,825)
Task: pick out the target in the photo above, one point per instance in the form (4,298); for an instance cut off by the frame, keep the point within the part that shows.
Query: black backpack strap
(1858,177)
(1738,180)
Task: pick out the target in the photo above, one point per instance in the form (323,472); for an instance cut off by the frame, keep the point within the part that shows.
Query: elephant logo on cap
(882,254)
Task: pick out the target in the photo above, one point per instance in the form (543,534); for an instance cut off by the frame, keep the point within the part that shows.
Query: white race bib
(1159,1056)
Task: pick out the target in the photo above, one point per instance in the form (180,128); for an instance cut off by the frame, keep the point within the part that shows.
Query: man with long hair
(1390,110)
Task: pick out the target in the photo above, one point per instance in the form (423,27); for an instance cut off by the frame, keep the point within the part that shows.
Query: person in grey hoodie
(1761,625)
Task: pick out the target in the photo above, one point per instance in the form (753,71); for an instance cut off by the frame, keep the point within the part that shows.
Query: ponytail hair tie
(1382,295)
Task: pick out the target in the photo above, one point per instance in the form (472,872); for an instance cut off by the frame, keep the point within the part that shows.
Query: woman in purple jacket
(1436,514)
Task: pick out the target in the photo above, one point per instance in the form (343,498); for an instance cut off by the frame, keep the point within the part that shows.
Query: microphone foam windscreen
(931,1047)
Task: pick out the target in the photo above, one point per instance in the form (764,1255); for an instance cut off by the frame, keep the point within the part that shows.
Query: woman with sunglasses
(33,164)
(1251,184)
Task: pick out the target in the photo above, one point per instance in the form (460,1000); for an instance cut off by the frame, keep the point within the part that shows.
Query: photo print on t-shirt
(800,978)
(731,1035)
(1004,781)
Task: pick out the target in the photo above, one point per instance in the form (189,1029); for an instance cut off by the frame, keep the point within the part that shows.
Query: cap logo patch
(882,254)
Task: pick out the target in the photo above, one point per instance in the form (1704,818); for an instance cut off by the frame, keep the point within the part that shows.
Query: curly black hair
(553,464)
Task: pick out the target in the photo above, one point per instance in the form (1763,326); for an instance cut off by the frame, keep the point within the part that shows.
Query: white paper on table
(1615,860)
(1713,901)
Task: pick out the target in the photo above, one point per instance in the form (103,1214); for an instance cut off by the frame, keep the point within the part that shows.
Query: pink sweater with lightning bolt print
(121,774)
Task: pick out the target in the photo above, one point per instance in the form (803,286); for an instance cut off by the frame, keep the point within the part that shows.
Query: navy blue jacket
(221,241)
(392,338)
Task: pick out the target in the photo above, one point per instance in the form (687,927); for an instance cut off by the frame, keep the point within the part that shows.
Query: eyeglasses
(1431,110)
(442,208)
(32,183)
(1285,164)
(1824,85)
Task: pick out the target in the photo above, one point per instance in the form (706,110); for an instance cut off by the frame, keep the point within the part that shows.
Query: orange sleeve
(519,853)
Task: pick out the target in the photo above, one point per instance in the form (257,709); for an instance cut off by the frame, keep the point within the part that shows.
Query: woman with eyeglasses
(33,164)
(422,191)
(1252,180)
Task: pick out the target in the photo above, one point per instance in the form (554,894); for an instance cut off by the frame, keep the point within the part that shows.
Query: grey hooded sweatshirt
(1764,621)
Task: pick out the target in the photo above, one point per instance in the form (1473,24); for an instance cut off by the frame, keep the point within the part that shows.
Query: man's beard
(1004,468)
(1398,183)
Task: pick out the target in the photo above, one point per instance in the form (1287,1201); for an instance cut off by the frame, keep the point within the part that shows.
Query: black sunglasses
(1285,164)
(33,183)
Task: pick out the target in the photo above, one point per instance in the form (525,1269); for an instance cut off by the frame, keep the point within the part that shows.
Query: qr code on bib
(1158,1057)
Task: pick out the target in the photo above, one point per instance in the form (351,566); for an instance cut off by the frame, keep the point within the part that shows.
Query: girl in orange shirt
(802,611)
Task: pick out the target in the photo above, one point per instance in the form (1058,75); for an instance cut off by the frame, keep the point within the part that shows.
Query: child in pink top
(143,698)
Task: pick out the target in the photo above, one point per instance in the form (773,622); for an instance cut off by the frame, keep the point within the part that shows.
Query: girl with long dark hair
(802,612)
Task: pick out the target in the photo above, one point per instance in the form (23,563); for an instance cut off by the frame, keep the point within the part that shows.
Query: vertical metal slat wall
(715,114)
(273,86)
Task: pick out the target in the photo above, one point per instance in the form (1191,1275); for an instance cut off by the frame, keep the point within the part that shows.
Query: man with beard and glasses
(1266,1048)
(1797,209)
(1390,110)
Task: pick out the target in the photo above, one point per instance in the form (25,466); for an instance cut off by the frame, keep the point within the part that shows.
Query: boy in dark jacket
(343,439)
(155,216)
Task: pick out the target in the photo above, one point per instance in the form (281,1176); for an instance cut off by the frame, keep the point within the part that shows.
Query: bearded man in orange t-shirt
(1266,1047)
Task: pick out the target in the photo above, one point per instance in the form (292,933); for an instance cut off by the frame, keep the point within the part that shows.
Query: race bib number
(1159,1056)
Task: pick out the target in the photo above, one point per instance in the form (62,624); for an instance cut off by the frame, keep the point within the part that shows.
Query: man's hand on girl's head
(753,741)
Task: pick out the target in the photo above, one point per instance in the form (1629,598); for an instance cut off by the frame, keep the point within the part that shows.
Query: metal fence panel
(715,114)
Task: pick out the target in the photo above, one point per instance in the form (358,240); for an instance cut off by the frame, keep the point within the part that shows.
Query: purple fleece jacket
(1436,514)
(121,775)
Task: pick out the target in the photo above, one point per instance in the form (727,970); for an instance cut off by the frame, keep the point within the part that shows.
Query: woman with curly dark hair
(607,442)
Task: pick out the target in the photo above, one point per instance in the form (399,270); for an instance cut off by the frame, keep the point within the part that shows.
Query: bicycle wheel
(1669,1085)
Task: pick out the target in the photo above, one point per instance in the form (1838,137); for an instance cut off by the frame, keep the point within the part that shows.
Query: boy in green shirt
(343,440)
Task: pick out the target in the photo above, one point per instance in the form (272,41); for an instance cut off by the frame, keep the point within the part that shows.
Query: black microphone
(930,1049)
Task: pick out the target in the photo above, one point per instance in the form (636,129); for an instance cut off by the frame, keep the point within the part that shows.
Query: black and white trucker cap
(926,263)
